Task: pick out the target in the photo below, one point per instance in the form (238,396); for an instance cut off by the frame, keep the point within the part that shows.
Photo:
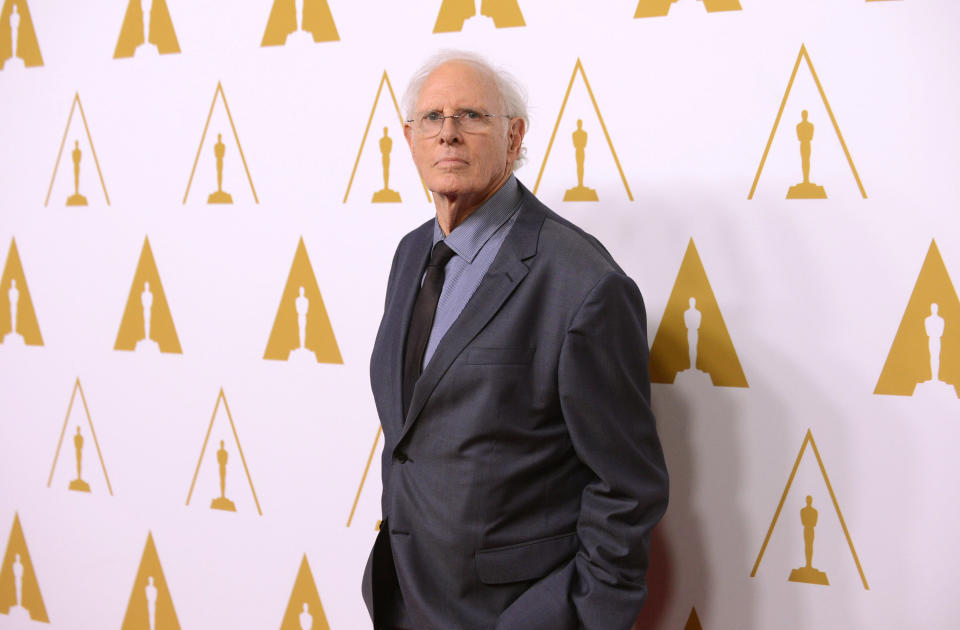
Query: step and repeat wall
(200,202)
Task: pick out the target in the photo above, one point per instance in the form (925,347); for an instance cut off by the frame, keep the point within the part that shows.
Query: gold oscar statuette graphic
(219,154)
(660,8)
(385,195)
(147,325)
(222,502)
(807,574)
(20,597)
(924,359)
(385,147)
(808,518)
(304,610)
(219,196)
(79,484)
(18,40)
(453,14)
(18,321)
(806,189)
(299,22)
(580,192)
(147,31)
(301,330)
(79,441)
(693,621)
(692,344)
(76,199)
(76,155)
(151,605)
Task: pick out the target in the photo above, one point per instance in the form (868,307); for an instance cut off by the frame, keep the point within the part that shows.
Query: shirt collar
(468,238)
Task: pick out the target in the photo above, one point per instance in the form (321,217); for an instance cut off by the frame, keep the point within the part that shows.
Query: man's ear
(515,133)
(408,134)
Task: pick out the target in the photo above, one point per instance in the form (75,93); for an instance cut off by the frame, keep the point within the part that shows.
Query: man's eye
(432,116)
(471,115)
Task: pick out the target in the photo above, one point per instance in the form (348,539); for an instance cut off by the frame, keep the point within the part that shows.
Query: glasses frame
(416,122)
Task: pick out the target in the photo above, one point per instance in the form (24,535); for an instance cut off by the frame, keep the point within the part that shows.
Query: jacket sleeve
(604,388)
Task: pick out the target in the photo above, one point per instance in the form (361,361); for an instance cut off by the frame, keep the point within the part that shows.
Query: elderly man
(522,472)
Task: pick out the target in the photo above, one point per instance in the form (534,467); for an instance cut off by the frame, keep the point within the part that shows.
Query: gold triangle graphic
(316,20)
(147,323)
(801,56)
(304,610)
(151,605)
(20,596)
(453,13)
(78,483)
(363,479)
(578,67)
(363,141)
(16,307)
(77,156)
(808,439)
(921,337)
(220,196)
(302,328)
(693,621)
(660,8)
(27,53)
(222,503)
(162,38)
(699,322)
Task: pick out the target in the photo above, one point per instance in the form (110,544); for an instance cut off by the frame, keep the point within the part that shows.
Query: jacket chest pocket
(499,356)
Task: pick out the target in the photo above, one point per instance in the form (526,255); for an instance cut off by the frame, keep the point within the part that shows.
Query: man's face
(457,163)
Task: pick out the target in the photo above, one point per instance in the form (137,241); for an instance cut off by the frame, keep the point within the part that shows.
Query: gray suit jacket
(520,490)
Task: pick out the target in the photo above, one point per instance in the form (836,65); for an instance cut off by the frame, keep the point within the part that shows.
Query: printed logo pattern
(304,610)
(924,358)
(78,441)
(386,148)
(805,189)
(18,320)
(300,22)
(147,30)
(18,39)
(454,13)
(302,331)
(579,141)
(220,196)
(77,158)
(223,455)
(692,343)
(151,605)
(20,597)
(147,325)
(808,516)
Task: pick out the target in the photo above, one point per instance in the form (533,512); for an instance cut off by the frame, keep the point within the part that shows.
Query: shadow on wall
(698,429)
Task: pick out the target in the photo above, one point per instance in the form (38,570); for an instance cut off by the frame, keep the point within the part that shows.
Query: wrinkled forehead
(458,85)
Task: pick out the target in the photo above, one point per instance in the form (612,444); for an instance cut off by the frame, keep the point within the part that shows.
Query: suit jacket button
(401,457)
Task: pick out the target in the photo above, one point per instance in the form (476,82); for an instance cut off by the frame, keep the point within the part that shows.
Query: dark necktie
(421,322)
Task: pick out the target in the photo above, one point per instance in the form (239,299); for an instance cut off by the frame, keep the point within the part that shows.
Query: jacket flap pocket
(525,561)
(498,356)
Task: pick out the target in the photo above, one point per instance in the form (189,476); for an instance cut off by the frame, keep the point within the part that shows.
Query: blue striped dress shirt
(475,243)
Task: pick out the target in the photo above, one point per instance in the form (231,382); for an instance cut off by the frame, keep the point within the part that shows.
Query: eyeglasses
(470,121)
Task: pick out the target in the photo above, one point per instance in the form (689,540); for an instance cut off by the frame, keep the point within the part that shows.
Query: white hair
(512,95)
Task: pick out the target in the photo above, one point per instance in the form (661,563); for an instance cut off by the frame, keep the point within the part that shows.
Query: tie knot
(441,254)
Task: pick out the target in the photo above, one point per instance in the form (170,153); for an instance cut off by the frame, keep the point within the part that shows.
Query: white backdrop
(812,294)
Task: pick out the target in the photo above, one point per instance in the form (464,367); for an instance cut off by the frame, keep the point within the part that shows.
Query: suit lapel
(503,277)
(411,268)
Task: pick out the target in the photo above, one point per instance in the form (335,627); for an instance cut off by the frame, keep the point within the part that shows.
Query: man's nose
(450,130)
